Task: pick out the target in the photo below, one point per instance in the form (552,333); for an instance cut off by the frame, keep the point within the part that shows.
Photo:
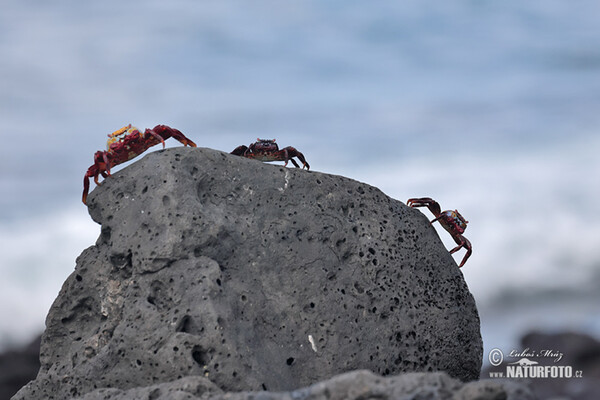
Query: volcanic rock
(254,277)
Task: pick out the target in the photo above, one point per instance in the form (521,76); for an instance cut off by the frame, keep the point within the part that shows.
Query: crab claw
(240,150)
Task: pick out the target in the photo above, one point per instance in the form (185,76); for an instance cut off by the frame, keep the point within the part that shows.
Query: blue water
(489,107)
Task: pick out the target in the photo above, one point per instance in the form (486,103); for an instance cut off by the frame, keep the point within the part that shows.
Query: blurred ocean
(488,107)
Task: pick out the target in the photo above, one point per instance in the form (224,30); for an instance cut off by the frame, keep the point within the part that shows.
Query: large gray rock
(256,277)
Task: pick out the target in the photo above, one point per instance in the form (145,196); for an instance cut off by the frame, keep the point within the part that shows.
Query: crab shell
(454,222)
(119,135)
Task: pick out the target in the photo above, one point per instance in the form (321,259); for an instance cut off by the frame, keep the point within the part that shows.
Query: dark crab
(267,150)
(452,221)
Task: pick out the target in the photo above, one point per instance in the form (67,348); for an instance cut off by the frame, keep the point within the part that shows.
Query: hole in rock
(184,325)
(200,356)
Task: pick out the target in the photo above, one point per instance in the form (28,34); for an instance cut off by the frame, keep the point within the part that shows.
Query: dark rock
(256,277)
(17,367)
(577,350)
(356,385)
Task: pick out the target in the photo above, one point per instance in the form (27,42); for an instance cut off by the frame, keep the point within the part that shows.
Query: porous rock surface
(254,277)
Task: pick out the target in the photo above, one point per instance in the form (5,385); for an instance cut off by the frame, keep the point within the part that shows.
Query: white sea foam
(36,256)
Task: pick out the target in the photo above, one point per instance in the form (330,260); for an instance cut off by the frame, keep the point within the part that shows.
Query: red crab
(267,150)
(123,145)
(452,221)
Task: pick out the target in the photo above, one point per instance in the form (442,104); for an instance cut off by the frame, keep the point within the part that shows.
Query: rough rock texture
(17,367)
(255,276)
(356,385)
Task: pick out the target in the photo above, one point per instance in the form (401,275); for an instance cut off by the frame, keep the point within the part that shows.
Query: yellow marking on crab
(120,131)
(119,134)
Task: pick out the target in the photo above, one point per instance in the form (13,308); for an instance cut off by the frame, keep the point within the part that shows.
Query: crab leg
(174,133)
(105,159)
(91,172)
(291,152)
(286,157)
(86,188)
(463,242)
(436,219)
(156,136)
(428,202)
